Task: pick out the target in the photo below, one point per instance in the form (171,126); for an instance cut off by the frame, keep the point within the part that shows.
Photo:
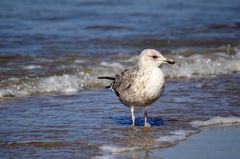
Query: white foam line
(175,136)
(32,67)
(171,139)
(116,149)
(218,120)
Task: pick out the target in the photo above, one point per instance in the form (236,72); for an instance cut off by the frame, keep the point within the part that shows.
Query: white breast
(155,82)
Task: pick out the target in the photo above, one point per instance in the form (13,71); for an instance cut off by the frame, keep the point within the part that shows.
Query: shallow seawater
(94,123)
(51,52)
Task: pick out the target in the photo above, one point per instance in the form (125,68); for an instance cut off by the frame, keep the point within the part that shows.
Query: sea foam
(218,120)
(67,84)
(117,149)
(32,67)
(82,75)
(175,136)
(199,65)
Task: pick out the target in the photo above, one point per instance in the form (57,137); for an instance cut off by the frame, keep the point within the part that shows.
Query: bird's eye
(155,57)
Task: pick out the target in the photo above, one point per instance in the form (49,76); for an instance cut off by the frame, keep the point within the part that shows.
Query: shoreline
(219,141)
(212,142)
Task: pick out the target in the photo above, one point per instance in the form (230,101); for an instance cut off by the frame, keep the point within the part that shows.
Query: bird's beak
(170,61)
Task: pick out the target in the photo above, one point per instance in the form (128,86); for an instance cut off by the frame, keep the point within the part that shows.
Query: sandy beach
(219,142)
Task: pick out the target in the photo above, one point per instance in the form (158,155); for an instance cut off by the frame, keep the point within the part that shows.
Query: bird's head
(150,57)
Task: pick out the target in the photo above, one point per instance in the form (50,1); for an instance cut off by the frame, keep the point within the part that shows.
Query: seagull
(142,85)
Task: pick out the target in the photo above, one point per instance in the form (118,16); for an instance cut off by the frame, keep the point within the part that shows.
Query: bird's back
(123,82)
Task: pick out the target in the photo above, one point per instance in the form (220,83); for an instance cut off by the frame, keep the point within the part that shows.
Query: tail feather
(108,78)
(105,77)
(108,87)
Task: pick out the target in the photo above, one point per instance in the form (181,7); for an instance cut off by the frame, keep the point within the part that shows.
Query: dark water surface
(45,27)
(51,52)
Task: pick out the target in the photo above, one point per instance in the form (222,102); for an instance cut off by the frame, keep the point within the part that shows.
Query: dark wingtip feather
(107,87)
(105,77)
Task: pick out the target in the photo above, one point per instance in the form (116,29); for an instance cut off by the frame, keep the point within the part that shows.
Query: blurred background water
(100,27)
(51,52)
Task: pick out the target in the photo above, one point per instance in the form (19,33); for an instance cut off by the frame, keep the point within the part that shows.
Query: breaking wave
(218,120)
(70,74)
(199,65)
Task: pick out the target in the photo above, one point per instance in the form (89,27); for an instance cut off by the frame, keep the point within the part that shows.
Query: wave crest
(69,76)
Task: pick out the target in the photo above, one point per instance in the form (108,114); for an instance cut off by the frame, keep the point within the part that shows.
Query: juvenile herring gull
(142,85)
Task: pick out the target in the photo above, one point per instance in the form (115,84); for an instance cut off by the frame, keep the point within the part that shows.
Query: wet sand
(219,142)
(214,142)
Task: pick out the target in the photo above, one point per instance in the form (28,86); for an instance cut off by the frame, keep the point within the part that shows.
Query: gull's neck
(146,65)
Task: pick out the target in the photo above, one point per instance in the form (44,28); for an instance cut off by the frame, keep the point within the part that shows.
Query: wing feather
(124,81)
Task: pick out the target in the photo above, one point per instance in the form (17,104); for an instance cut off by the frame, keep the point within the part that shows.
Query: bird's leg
(146,124)
(133,116)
